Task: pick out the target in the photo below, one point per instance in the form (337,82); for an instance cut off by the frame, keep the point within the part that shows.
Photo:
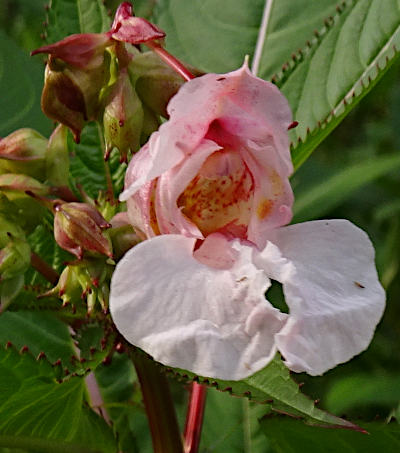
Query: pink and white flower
(210,194)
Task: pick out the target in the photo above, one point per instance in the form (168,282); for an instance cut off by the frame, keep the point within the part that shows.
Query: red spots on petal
(220,194)
(152,211)
(264,209)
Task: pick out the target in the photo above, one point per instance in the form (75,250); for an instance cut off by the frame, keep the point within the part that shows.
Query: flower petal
(273,196)
(149,163)
(172,183)
(214,322)
(331,287)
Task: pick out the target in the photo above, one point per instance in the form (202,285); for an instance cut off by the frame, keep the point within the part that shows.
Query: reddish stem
(194,417)
(175,64)
(43,268)
(64,192)
(159,406)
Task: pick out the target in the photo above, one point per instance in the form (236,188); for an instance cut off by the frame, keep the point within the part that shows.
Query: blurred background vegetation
(369,385)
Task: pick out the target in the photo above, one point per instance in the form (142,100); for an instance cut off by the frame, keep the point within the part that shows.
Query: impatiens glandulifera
(210,193)
(78,227)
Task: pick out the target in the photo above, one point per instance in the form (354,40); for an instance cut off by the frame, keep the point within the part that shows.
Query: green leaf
(21,80)
(120,392)
(35,409)
(67,17)
(238,433)
(340,65)
(329,193)
(291,436)
(88,167)
(323,80)
(94,345)
(40,332)
(274,387)
(360,390)
(87,163)
(216,39)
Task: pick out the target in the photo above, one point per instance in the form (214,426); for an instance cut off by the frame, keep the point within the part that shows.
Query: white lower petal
(213,322)
(331,288)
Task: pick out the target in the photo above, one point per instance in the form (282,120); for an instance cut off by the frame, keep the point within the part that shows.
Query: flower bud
(10,182)
(87,279)
(9,228)
(27,211)
(71,95)
(151,123)
(156,82)
(77,70)
(122,235)
(15,258)
(23,151)
(133,30)
(9,289)
(68,288)
(78,227)
(123,118)
(57,159)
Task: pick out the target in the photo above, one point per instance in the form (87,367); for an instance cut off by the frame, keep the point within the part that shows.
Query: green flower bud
(27,211)
(23,151)
(9,228)
(57,158)
(72,95)
(9,289)
(15,258)
(122,235)
(76,72)
(11,183)
(156,82)
(123,118)
(88,280)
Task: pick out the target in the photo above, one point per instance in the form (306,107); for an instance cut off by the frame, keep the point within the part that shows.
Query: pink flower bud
(78,227)
(84,51)
(134,30)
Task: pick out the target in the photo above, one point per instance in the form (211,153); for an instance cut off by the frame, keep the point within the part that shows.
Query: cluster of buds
(86,281)
(30,163)
(103,77)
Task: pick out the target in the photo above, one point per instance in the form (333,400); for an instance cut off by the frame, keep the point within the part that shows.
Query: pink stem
(194,417)
(171,60)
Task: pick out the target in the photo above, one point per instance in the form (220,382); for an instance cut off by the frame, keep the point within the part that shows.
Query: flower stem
(43,268)
(159,406)
(194,417)
(64,192)
(175,64)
